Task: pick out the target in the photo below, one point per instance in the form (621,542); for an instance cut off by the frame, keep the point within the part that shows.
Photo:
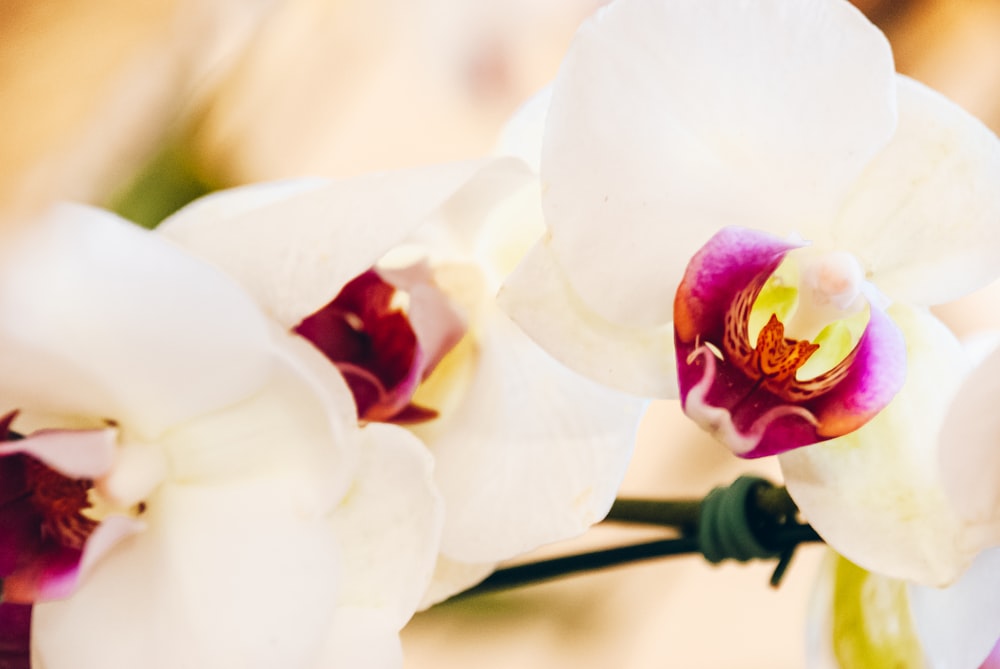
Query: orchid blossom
(392,277)
(734,195)
(180,487)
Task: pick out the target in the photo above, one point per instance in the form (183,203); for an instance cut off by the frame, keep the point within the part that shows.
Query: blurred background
(104,99)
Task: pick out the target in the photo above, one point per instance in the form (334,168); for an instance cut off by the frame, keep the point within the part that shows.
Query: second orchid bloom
(748,209)
(392,277)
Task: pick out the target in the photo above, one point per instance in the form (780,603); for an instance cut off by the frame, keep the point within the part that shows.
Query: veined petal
(968,457)
(636,360)
(532,453)
(959,625)
(924,217)
(661,130)
(389,526)
(239,572)
(295,253)
(100,318)
(875,495)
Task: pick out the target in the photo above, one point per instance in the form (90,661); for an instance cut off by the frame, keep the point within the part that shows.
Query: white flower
(262,516)
(705,165)
(526,452)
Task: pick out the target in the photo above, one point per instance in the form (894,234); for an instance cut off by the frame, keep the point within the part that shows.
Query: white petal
(487,219)
(389,525)
(875,495)
(670,120)
(361,638)
(231,576)
(101,318)
(959,625)
(294,248)
(531,454)
(77,454)
(969,453)
(523,134)
(301,425)
(925,215)
(637,360)
(451,577)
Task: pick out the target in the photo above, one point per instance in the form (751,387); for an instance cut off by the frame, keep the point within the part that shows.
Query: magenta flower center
(379,347)
(776,358)
(749,395)
(43,530)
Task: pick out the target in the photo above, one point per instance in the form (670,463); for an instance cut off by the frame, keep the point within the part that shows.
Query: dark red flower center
(59,501)
(15,636)
(43,530)
(372,341)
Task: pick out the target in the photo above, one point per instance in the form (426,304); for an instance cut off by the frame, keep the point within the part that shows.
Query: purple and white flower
(393,278)
(187,491)
(746,207)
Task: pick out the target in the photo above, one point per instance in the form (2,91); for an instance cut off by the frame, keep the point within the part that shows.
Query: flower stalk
(750,519)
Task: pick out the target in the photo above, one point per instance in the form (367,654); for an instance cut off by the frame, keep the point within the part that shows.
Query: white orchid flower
(210,495)
(392,276)
(734,192)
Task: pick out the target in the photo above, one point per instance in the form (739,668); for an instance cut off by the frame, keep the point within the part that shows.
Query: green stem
(665,513)
(772,501)
(547,570)
(534,573)
(751,519)
(775,502)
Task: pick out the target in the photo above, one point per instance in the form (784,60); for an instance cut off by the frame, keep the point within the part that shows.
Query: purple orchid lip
(382,352)
(748,395)
(45,540)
